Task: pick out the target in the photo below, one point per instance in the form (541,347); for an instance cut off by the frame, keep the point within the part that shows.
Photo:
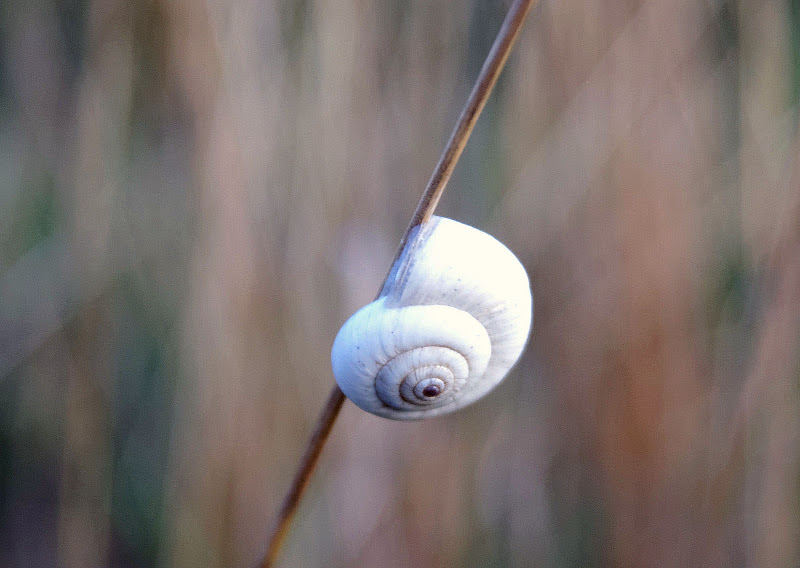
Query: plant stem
(301,478)
(498,54)
(430,198)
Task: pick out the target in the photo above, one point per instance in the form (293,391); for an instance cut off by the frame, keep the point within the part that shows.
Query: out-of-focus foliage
(195,195)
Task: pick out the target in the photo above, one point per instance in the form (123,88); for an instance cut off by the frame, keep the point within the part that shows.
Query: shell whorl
(451,321)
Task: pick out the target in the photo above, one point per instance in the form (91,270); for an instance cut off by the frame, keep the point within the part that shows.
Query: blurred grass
(194,196)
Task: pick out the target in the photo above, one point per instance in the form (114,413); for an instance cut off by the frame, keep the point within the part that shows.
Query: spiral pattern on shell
(451,321)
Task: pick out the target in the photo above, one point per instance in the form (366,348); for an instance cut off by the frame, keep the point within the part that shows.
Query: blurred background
(195,195)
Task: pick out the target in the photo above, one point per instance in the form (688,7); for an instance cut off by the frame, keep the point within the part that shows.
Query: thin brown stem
(430,198)
(303,474)
(472,109)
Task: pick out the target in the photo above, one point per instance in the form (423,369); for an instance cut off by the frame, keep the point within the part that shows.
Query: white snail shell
(451,321)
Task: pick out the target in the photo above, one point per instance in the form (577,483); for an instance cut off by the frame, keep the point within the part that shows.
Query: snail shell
(451,321)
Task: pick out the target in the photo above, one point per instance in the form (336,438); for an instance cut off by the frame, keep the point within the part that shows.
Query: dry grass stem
(495,61)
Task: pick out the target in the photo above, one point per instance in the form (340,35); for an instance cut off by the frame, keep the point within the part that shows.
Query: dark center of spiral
(431,391)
